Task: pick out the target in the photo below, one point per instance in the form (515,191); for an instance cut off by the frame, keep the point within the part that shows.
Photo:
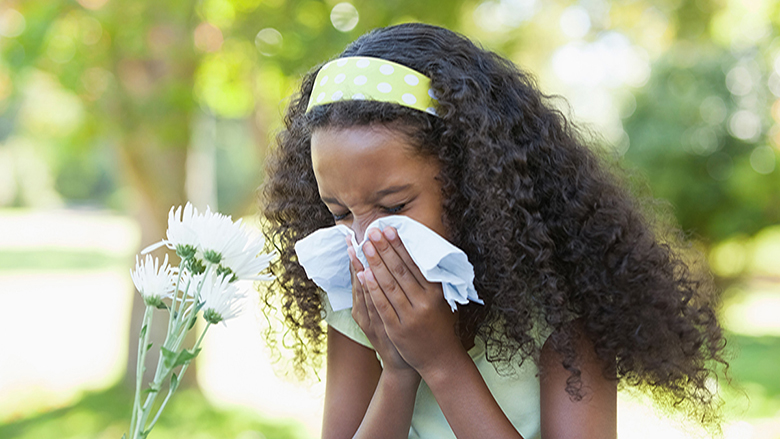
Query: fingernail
(375,235)
(389,233)
(361,278)
(368,249)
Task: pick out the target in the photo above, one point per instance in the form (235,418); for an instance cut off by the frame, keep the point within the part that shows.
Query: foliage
(685,137)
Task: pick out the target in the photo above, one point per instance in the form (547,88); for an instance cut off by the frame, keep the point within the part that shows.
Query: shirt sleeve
(343,322)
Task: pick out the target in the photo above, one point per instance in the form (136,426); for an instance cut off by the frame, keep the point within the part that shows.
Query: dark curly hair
(551,232)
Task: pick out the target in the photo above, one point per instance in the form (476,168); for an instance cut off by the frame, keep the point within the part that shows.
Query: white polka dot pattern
(359,78)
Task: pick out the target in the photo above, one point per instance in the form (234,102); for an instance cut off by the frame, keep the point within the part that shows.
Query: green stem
(140,368)
(175,295)
(181,374)
(173,341)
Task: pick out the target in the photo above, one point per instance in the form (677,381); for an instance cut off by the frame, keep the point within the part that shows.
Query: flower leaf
(173,359)
(174,382)
(151,389)
(149,346)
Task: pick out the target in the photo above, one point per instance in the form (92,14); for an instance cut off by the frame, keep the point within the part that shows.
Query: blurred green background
(111,111)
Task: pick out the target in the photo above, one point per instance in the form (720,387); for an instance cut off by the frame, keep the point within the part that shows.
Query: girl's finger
(353,260)
(396,286)
(359,310)
(392,271)
(373,315)
(391,235)
(379,301)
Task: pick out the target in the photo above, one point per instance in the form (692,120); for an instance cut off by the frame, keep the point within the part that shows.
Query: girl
(580,292)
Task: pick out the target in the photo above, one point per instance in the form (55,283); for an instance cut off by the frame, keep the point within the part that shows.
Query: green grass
(757,361)
(56,259)
(755,372)
(106,414)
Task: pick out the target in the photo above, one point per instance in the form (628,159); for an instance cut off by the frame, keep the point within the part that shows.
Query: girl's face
(365,173)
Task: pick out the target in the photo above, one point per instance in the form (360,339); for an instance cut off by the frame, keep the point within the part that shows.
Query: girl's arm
(353,374)
(420,325)
(361,398)
(595,415)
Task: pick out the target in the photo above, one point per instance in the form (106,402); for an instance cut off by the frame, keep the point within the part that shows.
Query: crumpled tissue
(323,255)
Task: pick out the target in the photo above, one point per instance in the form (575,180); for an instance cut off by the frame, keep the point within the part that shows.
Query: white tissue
(324,257)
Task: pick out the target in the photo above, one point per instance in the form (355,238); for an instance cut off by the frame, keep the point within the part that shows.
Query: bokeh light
(93,4)
(269,41)
(344,17)
(763,159)
(575,22)
(208,38)
(12,23)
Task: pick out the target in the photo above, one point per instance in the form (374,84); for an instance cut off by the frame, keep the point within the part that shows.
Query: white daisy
(218,236)
(221,299)
(155,282)
(181,234)
(247,264)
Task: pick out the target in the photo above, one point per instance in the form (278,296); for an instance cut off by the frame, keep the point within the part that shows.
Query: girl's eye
(340,217)
(395,209)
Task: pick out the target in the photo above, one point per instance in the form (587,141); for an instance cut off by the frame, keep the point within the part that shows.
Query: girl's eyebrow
(330,200)
(377,196)
(391,190)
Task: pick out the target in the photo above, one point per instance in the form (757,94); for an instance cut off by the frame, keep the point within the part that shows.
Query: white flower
(154,281)
(181,234)
(218,236)
(220,298)
(249,262)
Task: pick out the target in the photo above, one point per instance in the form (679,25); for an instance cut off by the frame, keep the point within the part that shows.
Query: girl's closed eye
(394,209)
(339,217)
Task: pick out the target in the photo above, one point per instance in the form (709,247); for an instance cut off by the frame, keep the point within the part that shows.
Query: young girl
(580,292)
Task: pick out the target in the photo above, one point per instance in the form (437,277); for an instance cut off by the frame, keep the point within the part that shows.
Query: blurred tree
(137,79)
(705,127)
(130,64)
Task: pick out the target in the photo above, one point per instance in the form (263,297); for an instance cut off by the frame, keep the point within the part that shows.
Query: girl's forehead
(375,143)
(365,157)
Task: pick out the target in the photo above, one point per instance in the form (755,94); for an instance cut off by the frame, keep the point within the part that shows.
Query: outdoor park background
(112,111)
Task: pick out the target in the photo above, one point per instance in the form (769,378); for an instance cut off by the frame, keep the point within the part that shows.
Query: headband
(359,77)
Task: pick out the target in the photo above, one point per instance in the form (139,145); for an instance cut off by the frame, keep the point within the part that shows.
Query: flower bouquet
(216,255)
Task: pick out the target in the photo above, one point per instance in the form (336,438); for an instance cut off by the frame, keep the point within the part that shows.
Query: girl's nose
(359,226)
(359,231)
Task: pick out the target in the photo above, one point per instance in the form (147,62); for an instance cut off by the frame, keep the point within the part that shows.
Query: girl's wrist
(444,372)
(401,377)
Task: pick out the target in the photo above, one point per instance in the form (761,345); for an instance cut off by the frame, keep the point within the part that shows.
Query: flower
(155,282)
(219,237)
(219,297)
(249,262)
(181,234)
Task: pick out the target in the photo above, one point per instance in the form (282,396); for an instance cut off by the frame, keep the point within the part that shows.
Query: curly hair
(551,232)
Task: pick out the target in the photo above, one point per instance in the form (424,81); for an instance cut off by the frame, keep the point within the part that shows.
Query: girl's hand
(365,314)
(416,318)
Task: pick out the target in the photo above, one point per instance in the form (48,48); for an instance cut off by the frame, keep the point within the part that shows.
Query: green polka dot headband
(360,77)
